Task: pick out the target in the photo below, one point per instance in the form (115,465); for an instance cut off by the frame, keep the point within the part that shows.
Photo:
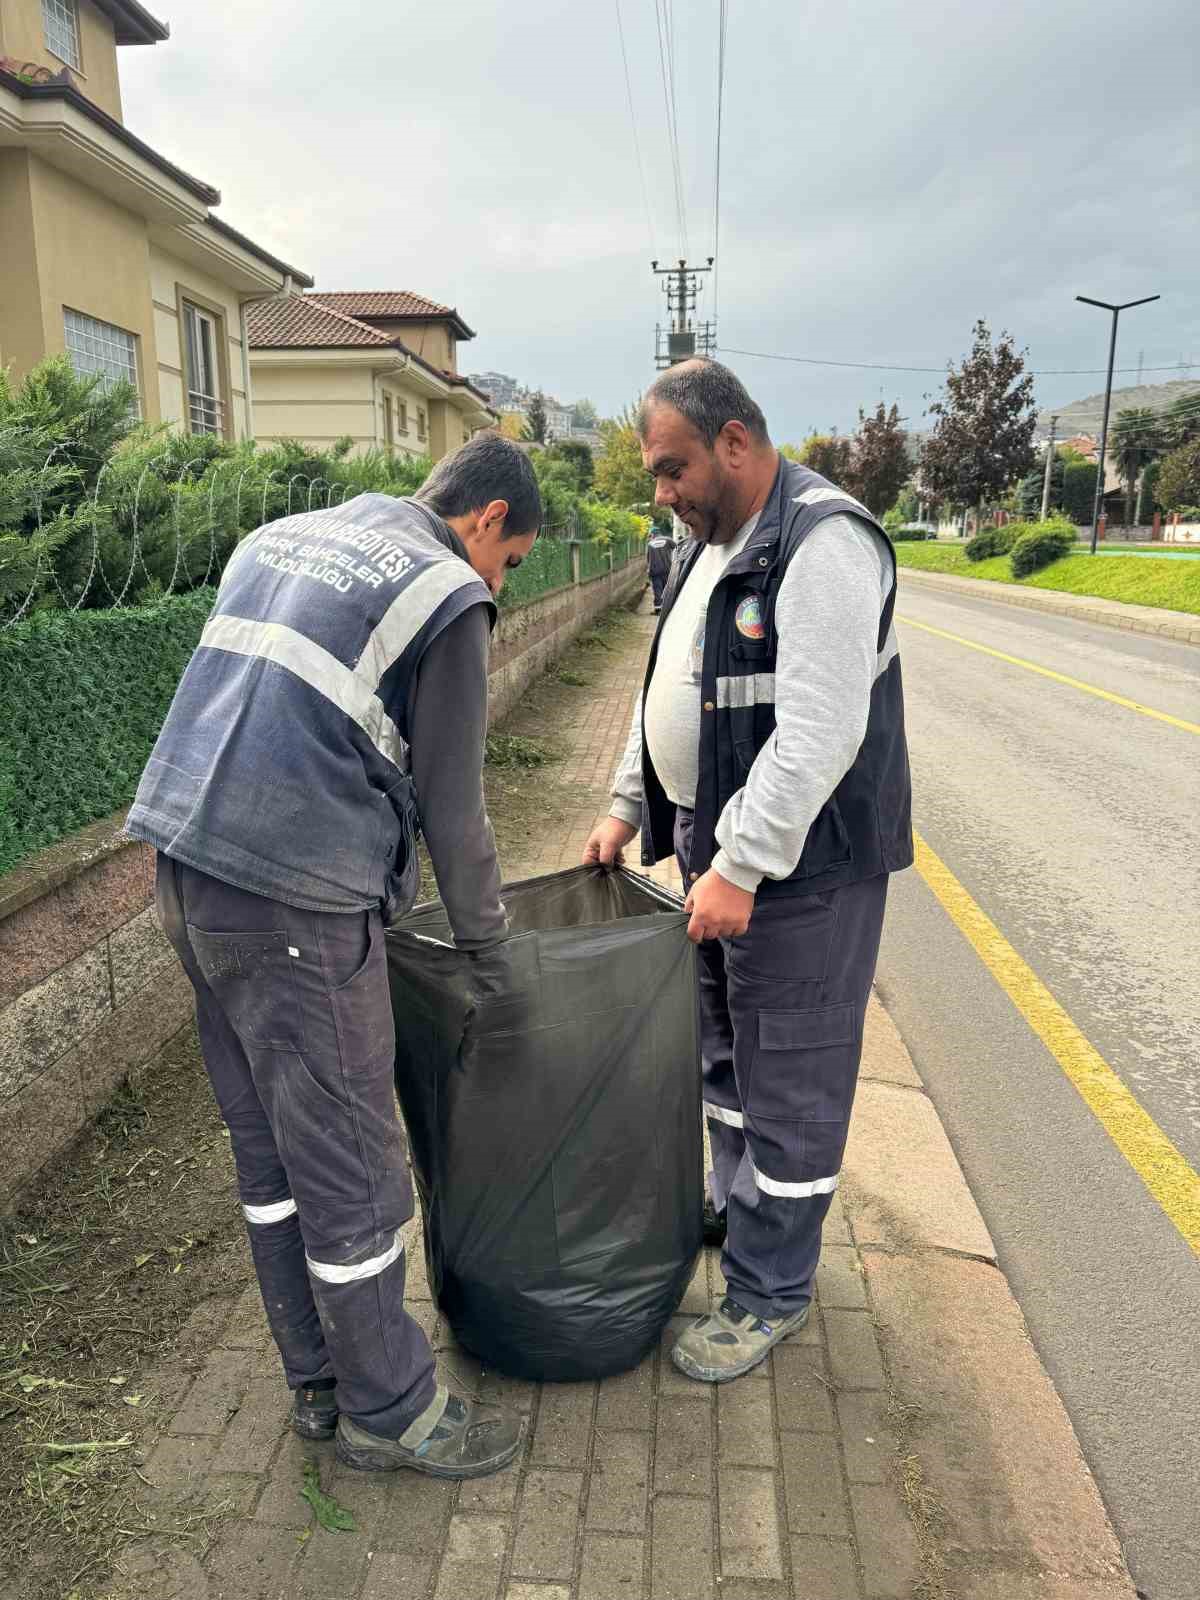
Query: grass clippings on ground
(126,1257)
(99,1270)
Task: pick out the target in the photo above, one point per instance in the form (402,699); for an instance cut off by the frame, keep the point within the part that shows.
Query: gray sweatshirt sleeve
(827,618)
(447,721)
(627,785)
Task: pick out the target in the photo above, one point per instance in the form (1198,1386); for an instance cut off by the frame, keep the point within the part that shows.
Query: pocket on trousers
(252,978)
(805,1065)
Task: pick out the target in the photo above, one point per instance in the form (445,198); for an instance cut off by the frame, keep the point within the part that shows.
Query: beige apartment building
(378,367)
(109,251)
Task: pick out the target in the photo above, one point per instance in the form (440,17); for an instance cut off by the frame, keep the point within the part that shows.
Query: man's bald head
(708,395)
(704,442)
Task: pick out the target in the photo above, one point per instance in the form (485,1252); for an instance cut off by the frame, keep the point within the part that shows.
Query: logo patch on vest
(748,618)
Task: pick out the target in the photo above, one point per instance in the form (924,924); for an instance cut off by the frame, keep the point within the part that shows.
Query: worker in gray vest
(768,752)
(660,551)
(335,706)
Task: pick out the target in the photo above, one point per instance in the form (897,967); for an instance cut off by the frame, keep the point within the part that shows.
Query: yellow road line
(1174,1184)
(1059,677)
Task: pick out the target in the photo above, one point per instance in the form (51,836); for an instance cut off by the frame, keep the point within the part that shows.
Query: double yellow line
(1166,1173)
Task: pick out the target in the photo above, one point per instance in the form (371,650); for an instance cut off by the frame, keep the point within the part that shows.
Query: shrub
(1043,544)
(994,541)
(902,534)
(82,697)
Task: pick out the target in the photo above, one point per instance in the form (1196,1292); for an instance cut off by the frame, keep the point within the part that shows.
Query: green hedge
(547,566)
(995,541)
(84,693)
(1043,544)
(82,697)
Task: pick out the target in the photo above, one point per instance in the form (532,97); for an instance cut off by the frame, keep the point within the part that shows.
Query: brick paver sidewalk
(784,1486)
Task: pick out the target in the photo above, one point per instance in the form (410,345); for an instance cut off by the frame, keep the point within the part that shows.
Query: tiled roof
(382,303)
(301,322)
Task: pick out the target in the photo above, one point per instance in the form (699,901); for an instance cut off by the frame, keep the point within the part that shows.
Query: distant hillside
(1085,416)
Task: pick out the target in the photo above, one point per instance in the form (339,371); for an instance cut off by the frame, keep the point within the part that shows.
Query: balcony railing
(206,413)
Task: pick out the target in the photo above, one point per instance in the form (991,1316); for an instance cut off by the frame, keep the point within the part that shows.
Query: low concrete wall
(529,637)
(90,990)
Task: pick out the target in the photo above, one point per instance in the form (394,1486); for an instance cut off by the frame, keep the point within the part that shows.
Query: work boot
(730,1341)
(315,1411)
(468,1440)
(714,1222)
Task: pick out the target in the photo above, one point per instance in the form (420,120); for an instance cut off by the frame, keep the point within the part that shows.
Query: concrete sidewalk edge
(1002,1501)
(1159,623)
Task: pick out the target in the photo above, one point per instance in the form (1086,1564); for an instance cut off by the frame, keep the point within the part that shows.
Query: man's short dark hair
(488,467)
(709,396)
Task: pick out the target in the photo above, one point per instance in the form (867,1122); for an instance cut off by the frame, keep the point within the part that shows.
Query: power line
(661,19)
(879,366)
(722,27)
(637,146)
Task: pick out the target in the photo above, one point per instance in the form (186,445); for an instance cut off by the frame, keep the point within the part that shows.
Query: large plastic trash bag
(552,1096)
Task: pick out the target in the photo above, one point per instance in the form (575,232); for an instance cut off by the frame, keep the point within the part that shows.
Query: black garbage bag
(551,1090)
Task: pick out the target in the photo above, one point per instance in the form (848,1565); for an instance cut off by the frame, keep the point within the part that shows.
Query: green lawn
(1137,580)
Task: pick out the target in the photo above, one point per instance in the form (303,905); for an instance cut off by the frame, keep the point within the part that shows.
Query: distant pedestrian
(335,706)
(660,551)
(768,750)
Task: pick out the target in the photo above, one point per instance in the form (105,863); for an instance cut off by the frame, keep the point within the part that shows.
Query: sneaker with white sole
(731,1341)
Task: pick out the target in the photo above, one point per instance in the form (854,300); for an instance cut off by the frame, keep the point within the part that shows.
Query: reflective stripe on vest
(352,690)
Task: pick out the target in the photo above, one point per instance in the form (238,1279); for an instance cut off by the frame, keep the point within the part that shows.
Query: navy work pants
(295,1025)
(658,584)
(781,1027)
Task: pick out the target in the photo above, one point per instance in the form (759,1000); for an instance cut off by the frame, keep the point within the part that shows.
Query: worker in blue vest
(768,752)
(660,551)
(337,704)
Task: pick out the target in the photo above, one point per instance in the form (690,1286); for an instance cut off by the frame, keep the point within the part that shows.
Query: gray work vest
(865,827)
(283,765)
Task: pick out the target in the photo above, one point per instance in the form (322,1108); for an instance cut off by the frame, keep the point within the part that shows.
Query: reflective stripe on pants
(781,1026)
(295,1023)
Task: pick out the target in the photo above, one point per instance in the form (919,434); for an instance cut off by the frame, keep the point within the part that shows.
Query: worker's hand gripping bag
(551,1090)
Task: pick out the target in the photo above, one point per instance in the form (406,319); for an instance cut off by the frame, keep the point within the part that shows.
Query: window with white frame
(403,416)
(102,348)
(201,340)
(62,30)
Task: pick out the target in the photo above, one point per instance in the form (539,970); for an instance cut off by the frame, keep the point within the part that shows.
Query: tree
(512,425)
(578,456)
(982,440)
(1079,489)
(908,504)
(585,415)
(1134,444)
(826,453)
(878,458)
(1179,477)
(535,419)
(1181,421)
(620,476)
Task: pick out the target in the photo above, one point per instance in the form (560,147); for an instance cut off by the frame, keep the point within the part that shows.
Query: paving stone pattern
(646,1486)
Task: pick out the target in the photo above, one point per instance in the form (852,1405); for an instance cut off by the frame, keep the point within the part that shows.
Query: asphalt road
(1075,824)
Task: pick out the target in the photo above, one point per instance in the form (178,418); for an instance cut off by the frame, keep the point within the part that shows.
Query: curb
(1152,620)
(1002,1501)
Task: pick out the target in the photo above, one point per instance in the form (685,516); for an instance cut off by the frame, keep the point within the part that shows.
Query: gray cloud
(892,169)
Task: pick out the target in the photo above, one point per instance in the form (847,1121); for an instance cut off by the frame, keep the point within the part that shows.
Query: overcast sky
(891,170)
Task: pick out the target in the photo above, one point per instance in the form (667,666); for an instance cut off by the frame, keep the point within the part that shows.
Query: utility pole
(685,337)
(1049,468)
(1106,305)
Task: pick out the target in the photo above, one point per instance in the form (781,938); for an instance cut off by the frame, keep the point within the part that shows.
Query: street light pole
(1107,305)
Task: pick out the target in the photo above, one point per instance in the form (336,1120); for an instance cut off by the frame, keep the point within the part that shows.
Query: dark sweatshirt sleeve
(447,723)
